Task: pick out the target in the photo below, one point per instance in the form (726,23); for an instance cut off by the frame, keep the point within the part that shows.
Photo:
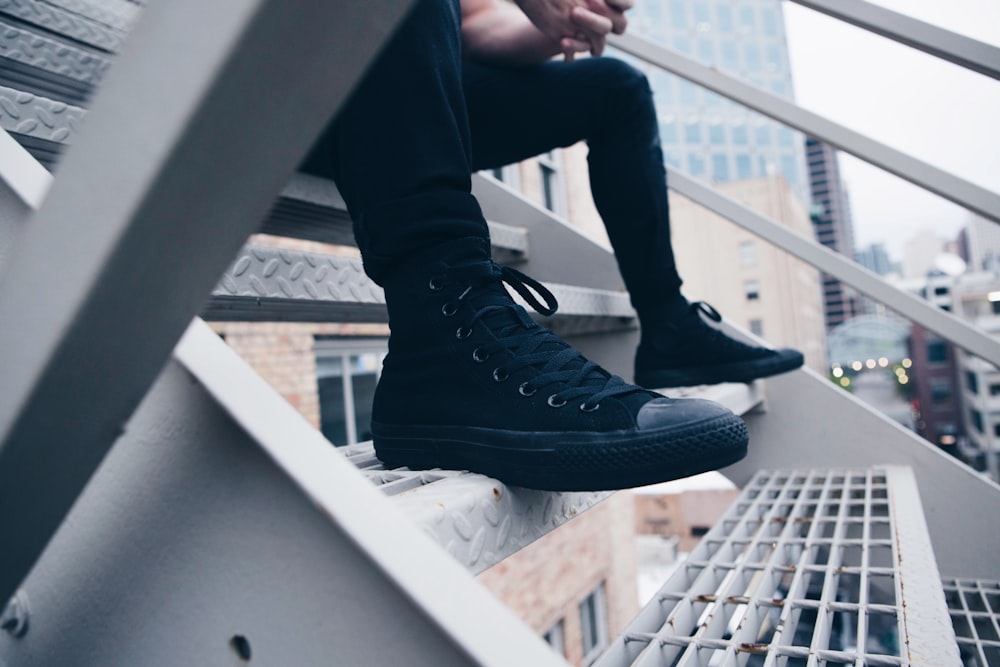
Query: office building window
(972,382)
(692,132)
(347,370)
(551,175)
(508,175)
(770,21)
(976,417)
(696,165)
(995,390)
(555,637)
(724,13)
(751,288)
(748,253)
(720,167)
(730,57)
(757,328)
(744,169)
(716,133)
(678,13)
(668,132)
(741,135)
(940,392)
(937,352)
(594,625)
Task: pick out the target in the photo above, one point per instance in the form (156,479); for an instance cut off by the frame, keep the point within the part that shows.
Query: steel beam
(919,310)
(125,224)
(223,530)
(958,49)
(951,187)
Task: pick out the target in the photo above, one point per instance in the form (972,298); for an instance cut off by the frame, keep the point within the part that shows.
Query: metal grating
(975,614)
(807,568)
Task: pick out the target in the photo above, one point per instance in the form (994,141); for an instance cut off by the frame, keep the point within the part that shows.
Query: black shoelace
(532,345)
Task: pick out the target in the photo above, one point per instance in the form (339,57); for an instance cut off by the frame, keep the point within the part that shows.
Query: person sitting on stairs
(470,381)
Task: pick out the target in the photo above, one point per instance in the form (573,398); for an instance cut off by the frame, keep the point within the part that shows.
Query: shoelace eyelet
(435,284)
(555,402)
(526,389)
(499,374)
(462,333)
(449,309)
(479,356)
(589,408)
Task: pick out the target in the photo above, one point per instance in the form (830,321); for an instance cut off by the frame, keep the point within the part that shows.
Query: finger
(597,46)
(609,9)
(570,46)
(589,22)
(620,5)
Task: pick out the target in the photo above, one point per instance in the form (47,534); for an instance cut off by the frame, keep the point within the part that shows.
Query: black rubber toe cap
(679,412)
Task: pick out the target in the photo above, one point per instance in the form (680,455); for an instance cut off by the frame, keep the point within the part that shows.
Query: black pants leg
(399,149)
(515,113)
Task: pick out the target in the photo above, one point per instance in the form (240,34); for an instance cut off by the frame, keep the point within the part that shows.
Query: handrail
(919,310)
(962,192)
(22,172)
(958,49)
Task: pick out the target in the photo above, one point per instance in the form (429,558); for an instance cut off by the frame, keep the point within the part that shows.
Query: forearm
(505,36)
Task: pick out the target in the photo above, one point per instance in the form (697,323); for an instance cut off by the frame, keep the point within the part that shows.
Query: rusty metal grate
(807,568)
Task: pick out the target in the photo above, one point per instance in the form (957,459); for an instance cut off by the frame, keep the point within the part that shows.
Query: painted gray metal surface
(959,49)
(481,521)
(63,22)
(929,177)
(919,310)
(975,614)
(35,116)
(270,284)
(116,14)
(559,253)
(223,521)
(814,423)
(49,55)
(81,345)
(26,178)
(811,565)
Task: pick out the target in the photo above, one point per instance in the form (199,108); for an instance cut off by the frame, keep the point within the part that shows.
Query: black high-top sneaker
(691,352)
(471,382)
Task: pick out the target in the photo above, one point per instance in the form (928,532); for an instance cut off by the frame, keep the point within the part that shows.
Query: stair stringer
(811,423)
(222,514)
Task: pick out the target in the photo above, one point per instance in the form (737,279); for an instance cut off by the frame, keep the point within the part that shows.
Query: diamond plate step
(270,284)
(807,567)
(67,22)
(39,64)
(481,521)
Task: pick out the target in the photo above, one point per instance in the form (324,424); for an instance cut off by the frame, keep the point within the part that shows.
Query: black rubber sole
(567,461)
(746,371)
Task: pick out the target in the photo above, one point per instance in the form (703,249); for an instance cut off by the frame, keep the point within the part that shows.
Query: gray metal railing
(950,46)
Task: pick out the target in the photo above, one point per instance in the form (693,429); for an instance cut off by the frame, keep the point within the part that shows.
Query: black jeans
(403,148)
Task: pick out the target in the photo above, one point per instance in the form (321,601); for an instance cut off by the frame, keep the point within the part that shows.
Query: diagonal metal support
(223,529)
(963,51)
(124,223)
(940,182)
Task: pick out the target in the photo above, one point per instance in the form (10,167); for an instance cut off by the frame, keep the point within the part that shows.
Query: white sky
(931,109)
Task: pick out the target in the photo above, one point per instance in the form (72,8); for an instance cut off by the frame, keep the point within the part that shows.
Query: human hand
(590,21)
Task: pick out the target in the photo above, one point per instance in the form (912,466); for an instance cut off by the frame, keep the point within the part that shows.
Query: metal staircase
(162,505)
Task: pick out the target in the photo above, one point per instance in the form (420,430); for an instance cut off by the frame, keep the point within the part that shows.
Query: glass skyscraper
(704,134)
